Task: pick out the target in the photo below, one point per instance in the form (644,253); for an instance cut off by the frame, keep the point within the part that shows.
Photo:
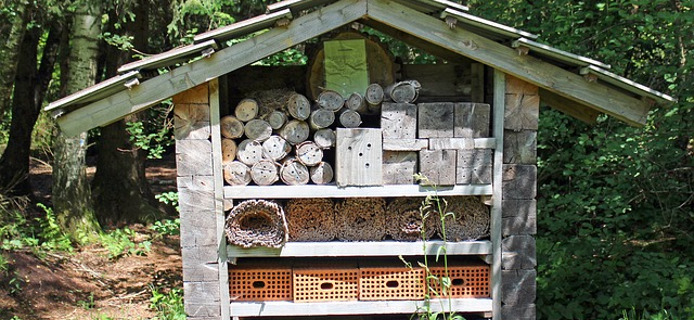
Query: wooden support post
(497,191)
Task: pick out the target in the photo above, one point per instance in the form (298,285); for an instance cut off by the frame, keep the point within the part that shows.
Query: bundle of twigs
(257,223)
(404,220)
(311,219)
(469,219)
(360,219)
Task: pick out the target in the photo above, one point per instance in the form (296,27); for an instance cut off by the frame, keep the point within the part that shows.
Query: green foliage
(167,227)
(169,306)
(399,49)
(120,242)
(153,141)
(38,234)
(169,198)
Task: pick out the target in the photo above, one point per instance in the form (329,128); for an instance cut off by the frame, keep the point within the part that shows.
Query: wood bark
(10,49)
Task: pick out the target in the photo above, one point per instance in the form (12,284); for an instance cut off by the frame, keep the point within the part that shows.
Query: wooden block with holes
(474,166)
(436,120)
(471,120)
(359,157)
(399,120)
(399,167)
(438,166)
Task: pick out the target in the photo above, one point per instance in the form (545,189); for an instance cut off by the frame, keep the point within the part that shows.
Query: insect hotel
(297,184)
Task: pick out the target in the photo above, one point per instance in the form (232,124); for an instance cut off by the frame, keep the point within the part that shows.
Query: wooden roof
(580,86)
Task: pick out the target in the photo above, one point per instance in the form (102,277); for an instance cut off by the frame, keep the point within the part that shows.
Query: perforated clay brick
(466,281)
(391,284)
(311,285)
(260,284)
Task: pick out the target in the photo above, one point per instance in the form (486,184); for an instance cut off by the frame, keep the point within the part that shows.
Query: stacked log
(405,218)
(469,219)
(236,173)
(360,219)
(311,219)
(255,223)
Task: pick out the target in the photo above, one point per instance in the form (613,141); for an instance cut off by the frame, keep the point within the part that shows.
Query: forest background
(615,203)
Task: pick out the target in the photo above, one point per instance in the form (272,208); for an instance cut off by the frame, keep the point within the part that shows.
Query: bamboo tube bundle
(330,100)
(325,138)
(311,219)
(356,102)
(403,91)
(321,118)
(228,150)
(298,106)
(265,172)
(309,153)
(349,118)
(249,152)
(404,220)
(236,173)
(276,148)
(295,131)
(246,110)
(231,127)
(470,219)
(374,97)
(257,129)
(294,172)
(322,173)
(254,223)
(360,219)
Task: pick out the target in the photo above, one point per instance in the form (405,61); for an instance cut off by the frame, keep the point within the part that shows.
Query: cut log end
(257,129)
(228,151)
(265,173)
(325,138)
(246,110)
(322,173)
(299,107)
(330,100)
(294,172)
(309,153)
(231,127)
(295,131)
(236,173)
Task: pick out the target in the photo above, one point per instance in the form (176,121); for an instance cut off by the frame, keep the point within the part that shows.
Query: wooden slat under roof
(244,27)
(168,58)
(494,28)
(626,84)
(99,91)
(426,6)
(562,56)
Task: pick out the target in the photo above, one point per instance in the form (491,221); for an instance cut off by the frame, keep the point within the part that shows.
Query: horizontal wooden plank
(487,25)
(569,107)
(154,90)
(560,55)
(244,27)
(626,84)
(295,5)
(405,144)
(431,6)
(287,308)
(169,58)
(362,249)
(505,59)
(101,89)
(332,191)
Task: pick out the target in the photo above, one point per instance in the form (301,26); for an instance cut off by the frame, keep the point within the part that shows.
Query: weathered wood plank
(399,167)
(471,120)
(438,166)
(569,107)
(519,182)
(192,257)
(474,166)
(505,59)
(499,96)
(195,94)
(149,92)
(519,217)
(563,56)
(522,105)
(627,84)
(484,24)
(436,120)
(168,58)
(518,287)
(244,27)
(519,312)
(202,272)
(399,120)
(520,147)
(191,121)
(359,157)
(191,200)
(193,157)
(405,144)
(451,144)
(332,191)
(518,252)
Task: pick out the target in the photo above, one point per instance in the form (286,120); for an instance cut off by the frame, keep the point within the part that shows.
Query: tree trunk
(9,52)
(71,193)
(120,189)
(31,85)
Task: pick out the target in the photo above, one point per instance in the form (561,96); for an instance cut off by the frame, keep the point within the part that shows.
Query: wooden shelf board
(362,249)
(332,191)
(288,308)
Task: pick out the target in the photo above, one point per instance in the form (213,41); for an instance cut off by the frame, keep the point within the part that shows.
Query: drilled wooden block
(438,166)
(474,166)
(359,157)
(399,120)
(471,120)
(436,120)
(399,167)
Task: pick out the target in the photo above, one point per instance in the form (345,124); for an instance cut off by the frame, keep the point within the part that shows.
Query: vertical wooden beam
(214,90)
(498,133)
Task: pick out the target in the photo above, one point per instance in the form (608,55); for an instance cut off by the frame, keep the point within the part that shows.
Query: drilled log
(231,127)
(311,219)
(356,102)
(325,138)
(254,223)
(321,118)
(469,221)
(330,100)
(249,152)
(406,218)
(265,173)
(309,153)
(374,97)
(295,131)
(403,91)
(258,130)
(276,148)
(322,173)
(349,118)
(360,219)
(246,110)
(228,151)
(276,119)
(294,172)
(236,173)
(298,106)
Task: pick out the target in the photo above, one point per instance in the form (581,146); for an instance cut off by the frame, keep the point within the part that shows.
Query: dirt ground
(85,284)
